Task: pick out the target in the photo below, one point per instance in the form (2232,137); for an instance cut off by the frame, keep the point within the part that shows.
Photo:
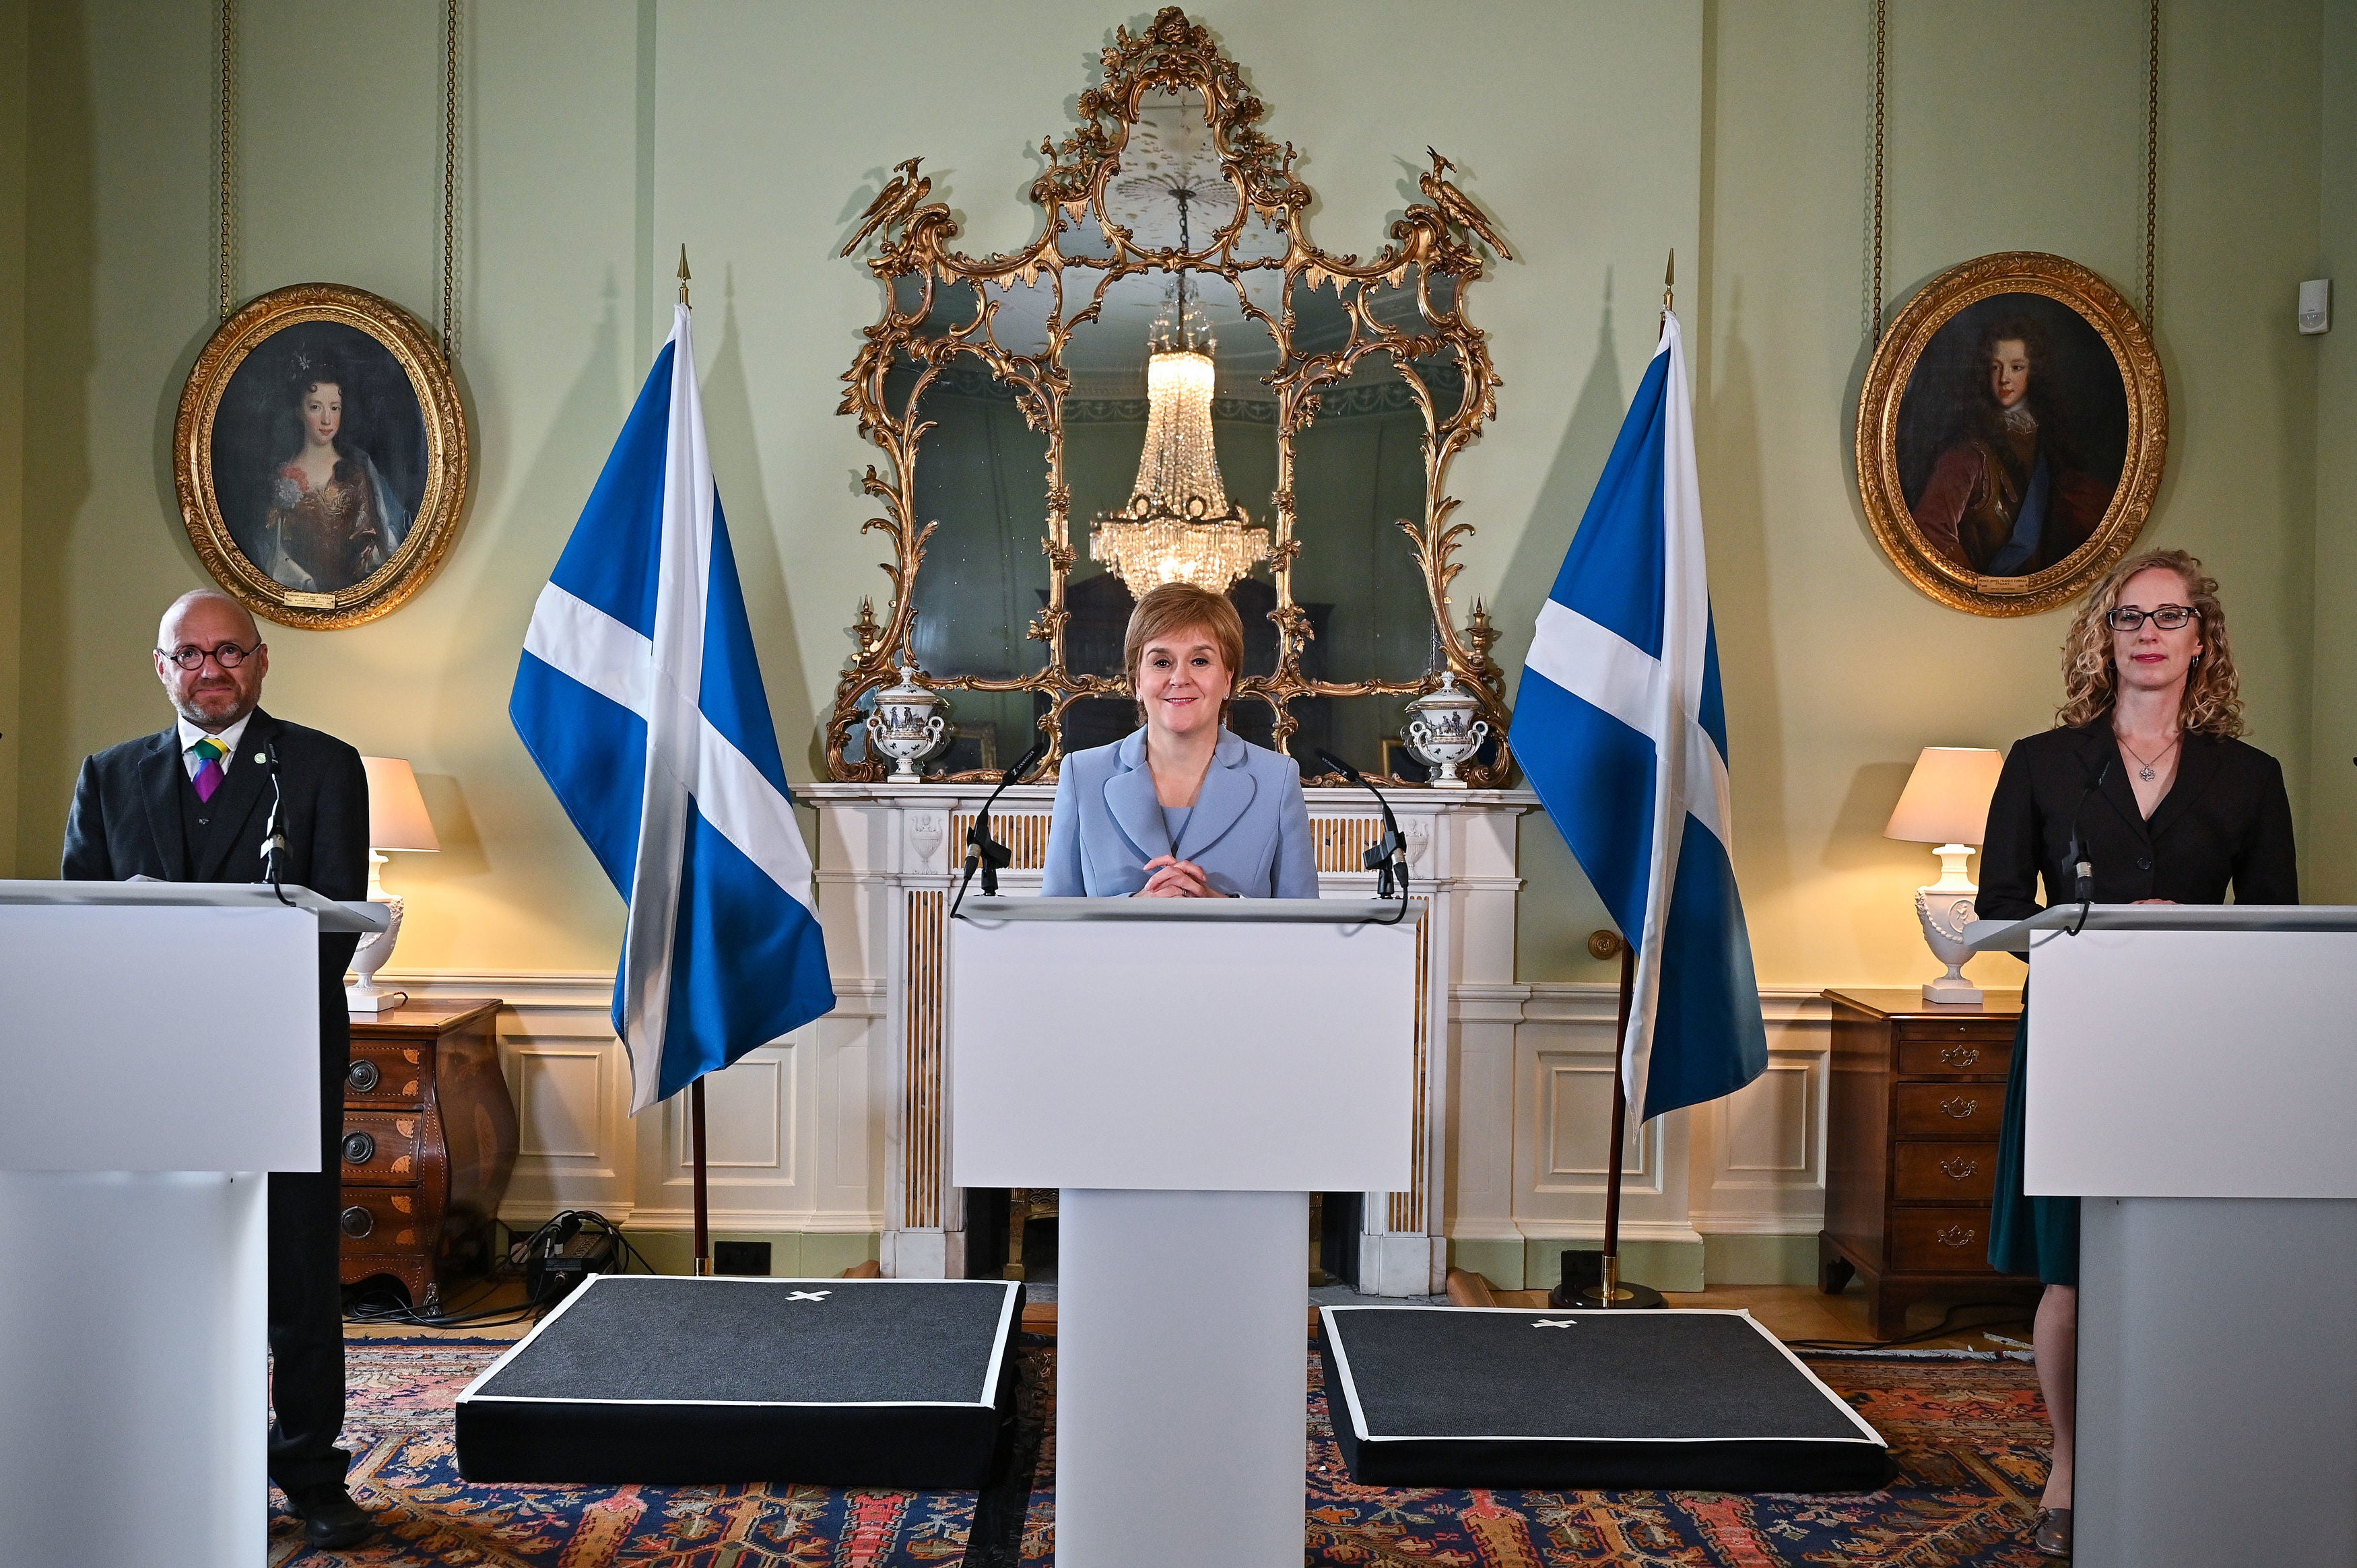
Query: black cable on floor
(555,1232)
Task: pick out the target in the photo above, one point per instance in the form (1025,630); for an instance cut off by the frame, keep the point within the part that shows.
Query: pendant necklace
(2146,771)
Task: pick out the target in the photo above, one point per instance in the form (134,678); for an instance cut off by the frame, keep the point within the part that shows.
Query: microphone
(1387,856)
(2082,887)
(983,850)
(274,843)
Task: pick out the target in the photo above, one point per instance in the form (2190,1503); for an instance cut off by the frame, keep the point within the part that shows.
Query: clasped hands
(1167,876)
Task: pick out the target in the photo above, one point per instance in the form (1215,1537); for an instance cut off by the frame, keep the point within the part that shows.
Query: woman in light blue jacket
(1181,809)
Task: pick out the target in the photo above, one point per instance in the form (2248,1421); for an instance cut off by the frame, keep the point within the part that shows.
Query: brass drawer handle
(1956,1236)
(363,1075)
(1960,1108)
(359,1148)
(1960,1170)
(1961,1056)
(356,1222)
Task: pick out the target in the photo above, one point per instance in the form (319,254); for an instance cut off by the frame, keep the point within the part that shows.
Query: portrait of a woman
(331,518)
(2170,806)
(1181,808)
(2009,495)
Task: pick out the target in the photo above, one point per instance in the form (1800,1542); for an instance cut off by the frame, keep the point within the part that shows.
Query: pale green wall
(13,23)
(601,136)
(2330,845)
(2012,127)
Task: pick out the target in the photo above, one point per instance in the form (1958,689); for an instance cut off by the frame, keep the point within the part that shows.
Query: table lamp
(397,820)
(1946,803)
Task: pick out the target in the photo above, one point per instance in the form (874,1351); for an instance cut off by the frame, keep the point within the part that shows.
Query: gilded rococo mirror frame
(913,255)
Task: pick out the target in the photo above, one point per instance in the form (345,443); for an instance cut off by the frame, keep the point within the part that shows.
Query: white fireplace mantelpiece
(887,861)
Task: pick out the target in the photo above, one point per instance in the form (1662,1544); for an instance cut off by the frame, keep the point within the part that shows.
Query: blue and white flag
(639,698)
(1621,728)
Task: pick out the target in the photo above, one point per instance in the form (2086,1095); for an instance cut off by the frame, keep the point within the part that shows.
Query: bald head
(168,631)
(230,656)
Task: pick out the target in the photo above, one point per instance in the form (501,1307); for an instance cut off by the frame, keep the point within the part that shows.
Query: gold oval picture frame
(2012,433)
(320,455)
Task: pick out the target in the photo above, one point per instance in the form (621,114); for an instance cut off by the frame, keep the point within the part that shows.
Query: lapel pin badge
(262,756)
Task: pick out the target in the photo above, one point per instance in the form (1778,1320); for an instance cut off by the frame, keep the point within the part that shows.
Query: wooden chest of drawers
(429,1143)
(1917,1100)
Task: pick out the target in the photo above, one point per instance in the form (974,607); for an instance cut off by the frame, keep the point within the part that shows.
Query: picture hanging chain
(449,181)
(229,158)
(1881,57)
(2151,152)
(450,32)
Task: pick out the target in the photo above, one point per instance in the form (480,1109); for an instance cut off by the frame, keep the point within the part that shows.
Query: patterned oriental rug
(1968,1434)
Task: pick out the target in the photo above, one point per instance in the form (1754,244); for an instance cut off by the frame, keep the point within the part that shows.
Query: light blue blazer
(1249,830)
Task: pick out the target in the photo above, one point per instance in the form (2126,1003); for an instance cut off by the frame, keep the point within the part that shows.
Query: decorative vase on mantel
(1442,731)
(907,725)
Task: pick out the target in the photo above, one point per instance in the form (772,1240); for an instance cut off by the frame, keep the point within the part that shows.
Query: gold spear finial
(683,275)
(1670,283)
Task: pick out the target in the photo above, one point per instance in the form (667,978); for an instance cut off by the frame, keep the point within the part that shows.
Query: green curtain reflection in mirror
(984,575)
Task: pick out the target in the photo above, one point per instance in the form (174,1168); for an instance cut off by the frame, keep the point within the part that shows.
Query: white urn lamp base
(1946,909)
(364,997)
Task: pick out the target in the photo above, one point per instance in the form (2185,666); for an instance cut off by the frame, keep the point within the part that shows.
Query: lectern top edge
(2014,936)
(333,915)
(1329,911)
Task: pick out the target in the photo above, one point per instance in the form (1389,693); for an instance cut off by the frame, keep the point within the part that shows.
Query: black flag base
(1585,1284)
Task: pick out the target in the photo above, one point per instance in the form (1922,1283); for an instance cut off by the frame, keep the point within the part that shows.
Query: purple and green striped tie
(208,779)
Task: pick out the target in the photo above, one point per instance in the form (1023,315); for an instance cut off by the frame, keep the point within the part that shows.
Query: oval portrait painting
(2012,433)
(321,455)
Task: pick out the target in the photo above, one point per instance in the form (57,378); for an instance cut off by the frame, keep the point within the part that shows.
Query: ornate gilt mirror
(1169,380)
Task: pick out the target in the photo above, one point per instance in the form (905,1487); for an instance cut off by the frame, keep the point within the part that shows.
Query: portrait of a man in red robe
(2009,450)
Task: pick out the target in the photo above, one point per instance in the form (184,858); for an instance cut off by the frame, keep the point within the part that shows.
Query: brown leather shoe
(2052,1535)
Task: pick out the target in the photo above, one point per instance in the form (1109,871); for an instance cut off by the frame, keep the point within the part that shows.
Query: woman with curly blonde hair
(2146,781)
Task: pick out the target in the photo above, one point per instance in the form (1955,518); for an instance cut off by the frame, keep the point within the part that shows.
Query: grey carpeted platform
(639,1377)
(1681,1399)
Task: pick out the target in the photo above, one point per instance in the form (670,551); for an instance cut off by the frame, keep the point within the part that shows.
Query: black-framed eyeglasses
(229,656)
(2168,618)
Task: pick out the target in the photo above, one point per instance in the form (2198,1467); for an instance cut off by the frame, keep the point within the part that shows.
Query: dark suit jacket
(2225,820)
(126,821)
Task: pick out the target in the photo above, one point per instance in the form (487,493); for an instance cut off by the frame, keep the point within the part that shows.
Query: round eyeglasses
(229,656)
(2168,618)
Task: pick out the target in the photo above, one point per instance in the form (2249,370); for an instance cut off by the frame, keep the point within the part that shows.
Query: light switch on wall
(2316,305)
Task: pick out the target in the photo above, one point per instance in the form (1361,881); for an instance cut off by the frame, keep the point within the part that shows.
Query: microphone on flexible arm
(983,850)
(2083,887)
(274,843)
(1387,856)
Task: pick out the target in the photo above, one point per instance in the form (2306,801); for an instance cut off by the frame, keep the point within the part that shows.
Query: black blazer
(2225,820)
(126,822)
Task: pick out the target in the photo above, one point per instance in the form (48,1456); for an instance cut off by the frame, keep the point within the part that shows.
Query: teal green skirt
(2027,1235)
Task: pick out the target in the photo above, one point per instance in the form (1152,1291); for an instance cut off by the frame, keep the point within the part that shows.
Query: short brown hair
(1175,607)
(2213,698)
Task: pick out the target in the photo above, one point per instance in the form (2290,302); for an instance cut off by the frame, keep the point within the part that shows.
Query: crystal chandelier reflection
(1179,525)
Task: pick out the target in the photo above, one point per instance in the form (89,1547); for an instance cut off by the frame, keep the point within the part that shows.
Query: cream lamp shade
(1946,804)
(397,818)
(1946,800)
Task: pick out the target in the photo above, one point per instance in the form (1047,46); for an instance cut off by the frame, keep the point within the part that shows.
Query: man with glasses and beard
(191,804)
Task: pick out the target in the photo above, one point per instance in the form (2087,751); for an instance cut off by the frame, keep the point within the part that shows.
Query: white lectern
(161,1052)
(2192,1075)
(1188,1071)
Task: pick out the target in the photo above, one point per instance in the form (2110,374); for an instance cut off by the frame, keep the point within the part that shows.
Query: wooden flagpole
(1610,1287)
(702,1213)
(695,1089)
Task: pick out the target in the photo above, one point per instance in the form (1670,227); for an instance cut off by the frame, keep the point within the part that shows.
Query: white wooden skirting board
(797,1133)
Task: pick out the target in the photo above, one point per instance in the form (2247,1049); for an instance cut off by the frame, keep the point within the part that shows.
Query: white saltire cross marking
(807,1294)
(1555,1323)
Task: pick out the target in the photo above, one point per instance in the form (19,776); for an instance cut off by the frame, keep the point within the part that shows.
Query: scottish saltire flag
(1622,731)
(639,698)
